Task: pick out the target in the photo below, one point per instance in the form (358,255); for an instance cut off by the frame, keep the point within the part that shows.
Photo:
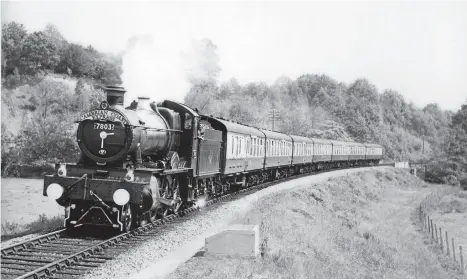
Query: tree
(55,37)
(13,35)
(457,139)
(74,58)
(38,53)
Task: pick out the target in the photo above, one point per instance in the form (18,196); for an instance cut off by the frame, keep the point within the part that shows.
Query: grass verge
(358,226)
(42,225)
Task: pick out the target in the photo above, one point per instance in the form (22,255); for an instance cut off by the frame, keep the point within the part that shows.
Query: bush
(441,172)
(463,182)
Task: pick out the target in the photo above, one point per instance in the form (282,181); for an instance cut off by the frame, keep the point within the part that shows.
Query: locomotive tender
(150,160)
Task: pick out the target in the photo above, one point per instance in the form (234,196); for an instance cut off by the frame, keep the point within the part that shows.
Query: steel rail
(32,242)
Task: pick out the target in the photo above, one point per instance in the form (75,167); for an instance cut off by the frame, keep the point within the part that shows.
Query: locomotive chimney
(115,95)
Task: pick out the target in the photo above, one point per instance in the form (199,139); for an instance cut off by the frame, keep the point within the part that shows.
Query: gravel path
(176,243)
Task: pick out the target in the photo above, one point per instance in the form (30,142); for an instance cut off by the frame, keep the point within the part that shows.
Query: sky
(416,48)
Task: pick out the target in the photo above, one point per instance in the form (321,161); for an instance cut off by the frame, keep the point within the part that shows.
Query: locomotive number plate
(106,126)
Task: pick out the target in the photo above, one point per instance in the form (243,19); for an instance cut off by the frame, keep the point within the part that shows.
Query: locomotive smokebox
(115,95)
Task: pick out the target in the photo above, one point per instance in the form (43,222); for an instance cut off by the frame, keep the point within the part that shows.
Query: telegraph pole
(423,157)
(273,114)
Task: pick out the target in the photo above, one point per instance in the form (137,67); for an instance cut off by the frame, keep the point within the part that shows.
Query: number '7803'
(107,126)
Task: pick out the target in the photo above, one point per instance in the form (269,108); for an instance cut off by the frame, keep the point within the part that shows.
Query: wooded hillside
(47,82)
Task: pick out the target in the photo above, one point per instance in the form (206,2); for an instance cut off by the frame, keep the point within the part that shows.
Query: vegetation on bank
(357,226)
(42,225)
(47,82)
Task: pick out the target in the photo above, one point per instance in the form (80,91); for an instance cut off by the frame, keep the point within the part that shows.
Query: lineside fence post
(447,243)
(453,249)
(441,239)
(462,259)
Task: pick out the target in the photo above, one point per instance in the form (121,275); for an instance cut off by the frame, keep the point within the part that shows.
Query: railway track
(59,255)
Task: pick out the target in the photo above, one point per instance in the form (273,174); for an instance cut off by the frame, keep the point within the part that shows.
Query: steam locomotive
(150,160)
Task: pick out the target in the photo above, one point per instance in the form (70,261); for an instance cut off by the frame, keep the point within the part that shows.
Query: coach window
(271,147)
(261,148)
(268,148)
(239,146)
(234,152)
(233,146)
(258,147)
(254,147)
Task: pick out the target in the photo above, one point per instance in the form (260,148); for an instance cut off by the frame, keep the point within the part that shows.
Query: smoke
(201,202)
(155,69)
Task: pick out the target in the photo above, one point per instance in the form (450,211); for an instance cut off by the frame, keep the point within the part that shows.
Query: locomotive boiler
(113,135)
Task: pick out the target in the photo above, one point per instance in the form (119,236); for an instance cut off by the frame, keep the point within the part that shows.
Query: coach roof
(276,135)
(321,141)
(238,128)
(301,139)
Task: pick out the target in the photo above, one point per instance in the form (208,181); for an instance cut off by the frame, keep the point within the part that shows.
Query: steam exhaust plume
(153,68)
